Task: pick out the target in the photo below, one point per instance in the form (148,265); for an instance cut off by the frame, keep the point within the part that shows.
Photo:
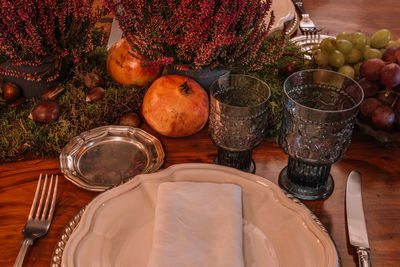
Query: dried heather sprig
(198,34)
(32,31)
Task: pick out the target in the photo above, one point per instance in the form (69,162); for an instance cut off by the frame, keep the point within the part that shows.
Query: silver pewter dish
(306,42)
(110,155)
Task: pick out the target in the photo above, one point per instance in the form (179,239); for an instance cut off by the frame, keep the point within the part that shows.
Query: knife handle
(363,257)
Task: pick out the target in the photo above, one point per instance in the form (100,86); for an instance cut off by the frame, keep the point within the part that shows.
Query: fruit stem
(395,101)
(387,91)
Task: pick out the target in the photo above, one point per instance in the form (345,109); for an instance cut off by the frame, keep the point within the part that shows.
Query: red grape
(386,99)
(371,69)
(368,106)
(390,75)
(390,54)
(397,119)
(383,117)
(370,88)
(397,55)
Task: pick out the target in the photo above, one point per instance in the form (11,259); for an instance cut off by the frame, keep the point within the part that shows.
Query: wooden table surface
(378,163)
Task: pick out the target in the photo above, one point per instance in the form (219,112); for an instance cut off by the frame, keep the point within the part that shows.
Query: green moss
(269,74)
(20,135)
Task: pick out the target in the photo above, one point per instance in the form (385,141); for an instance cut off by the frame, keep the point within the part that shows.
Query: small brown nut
(95,94)
(52,93)
(130,119)
(45,112)
(93,80)
(11,92)
(17,102)
(288,69)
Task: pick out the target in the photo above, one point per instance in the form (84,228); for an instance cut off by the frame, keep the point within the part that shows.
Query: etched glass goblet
(238,117)
(319,110)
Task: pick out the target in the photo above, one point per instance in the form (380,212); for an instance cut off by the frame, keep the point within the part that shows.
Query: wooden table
(379,164)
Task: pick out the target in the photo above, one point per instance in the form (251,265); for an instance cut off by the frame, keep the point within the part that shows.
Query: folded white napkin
(197,225)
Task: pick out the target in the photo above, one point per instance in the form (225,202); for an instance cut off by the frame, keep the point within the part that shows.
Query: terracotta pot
(204,77)
(33,88)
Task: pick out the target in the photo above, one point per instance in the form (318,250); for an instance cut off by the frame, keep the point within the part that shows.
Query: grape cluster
(380,81)
(374,63)
(346,52)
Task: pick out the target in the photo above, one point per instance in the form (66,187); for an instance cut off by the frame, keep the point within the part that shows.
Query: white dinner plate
(116,228)
(284,11)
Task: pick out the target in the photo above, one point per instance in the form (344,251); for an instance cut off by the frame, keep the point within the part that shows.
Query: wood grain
(378,163)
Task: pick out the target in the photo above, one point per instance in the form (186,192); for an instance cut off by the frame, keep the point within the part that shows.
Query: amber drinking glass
(238,117)
(319,111)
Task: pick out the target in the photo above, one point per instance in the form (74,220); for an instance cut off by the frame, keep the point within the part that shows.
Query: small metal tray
(107,156)
(307,42)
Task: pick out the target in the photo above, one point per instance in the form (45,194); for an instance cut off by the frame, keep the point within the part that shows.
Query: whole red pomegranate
(175,106)
(128,68)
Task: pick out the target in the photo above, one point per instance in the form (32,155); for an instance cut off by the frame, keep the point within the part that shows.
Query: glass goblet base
(307,182)
(240,160)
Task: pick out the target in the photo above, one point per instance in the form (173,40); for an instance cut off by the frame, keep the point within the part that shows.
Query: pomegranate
(175,106)
(128,68)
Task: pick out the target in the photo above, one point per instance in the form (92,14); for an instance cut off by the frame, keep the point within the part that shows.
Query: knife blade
(356,220)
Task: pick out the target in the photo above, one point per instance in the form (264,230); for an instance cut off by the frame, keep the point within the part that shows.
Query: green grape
(359,40)
(336,59)
(328,45)
(347,70)
(357,68)
(315,47)
(321,58)
(344,46)
(372,53)
(354,56)
(343,36)
(380,38)
(391,43)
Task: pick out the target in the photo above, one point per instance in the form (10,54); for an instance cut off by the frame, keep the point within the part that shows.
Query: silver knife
(355,219)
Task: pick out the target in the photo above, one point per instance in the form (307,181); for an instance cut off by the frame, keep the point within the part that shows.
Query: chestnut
(45,112)
(52,93)
(93,80)
(11,92)
(17,102)
(130,119)
(95,94)
(288,69)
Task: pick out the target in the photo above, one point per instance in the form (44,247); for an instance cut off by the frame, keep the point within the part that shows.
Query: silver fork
(307,26)
(38,224)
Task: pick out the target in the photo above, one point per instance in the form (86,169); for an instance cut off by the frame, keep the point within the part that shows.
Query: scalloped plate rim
(86,218)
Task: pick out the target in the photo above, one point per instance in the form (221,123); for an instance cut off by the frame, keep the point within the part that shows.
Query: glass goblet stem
(306,181)
(236,159)
(304,174)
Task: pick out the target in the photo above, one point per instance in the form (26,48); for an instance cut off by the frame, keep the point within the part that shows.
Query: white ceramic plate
(284,11)
(116,227)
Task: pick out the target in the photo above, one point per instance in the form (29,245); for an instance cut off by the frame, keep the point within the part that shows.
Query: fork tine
(40,206)
(35,198)
(47,204)
(53,201)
